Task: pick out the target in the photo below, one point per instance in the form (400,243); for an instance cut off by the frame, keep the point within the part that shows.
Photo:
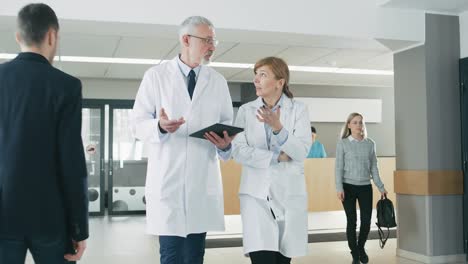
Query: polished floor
(122,239)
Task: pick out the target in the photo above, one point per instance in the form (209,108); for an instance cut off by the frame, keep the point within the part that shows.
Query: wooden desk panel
(231,172)
(320,180)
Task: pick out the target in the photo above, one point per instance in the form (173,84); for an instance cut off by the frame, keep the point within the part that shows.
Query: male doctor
(183,183)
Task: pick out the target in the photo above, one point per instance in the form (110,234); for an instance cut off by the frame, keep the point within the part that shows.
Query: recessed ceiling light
(231,65)
(213,64)
(106,60)
(7,56)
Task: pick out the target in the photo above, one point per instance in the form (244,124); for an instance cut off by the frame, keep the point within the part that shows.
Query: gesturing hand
(169,125)
(220,142)
(283,157)
(265,115)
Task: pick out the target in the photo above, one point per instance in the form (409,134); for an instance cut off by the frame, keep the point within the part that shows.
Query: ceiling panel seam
(169,52)
(226,51)
(113,55)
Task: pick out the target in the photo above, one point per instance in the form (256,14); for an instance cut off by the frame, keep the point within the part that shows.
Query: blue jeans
(43,250)
(180,250)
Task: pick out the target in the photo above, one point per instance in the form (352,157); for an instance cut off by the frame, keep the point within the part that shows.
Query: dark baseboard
(313,238)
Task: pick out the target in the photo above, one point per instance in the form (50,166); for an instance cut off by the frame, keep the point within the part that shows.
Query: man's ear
(185,40)
(51,37)
(18,38)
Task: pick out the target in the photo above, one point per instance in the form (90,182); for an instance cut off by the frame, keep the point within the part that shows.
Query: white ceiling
(84,38)
(442,6)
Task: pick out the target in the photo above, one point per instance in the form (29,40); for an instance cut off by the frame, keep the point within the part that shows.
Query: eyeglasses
(207,41)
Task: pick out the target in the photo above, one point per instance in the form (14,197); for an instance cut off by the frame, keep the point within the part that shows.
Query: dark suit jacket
(43,176)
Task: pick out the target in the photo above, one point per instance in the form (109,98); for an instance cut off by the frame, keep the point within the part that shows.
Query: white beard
(205,61)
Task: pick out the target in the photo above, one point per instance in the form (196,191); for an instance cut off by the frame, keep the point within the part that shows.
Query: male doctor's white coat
(267,188)
(183,182)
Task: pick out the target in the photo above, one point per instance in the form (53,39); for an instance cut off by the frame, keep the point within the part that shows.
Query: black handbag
(385,218)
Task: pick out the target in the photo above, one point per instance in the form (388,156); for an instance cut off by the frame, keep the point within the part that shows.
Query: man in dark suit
(43,176)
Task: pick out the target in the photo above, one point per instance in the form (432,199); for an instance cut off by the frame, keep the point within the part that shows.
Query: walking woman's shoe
(363,256)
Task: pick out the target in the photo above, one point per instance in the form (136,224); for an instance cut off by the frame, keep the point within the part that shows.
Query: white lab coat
(183,182)
(284,181)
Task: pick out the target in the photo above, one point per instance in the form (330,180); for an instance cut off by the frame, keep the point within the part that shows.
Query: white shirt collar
(351,139)
(185,69)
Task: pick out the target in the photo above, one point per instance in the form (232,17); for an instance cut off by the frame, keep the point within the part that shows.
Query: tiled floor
(327,253)
(119,240)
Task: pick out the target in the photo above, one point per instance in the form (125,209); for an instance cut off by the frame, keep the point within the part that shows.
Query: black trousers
(49,250)
(268,257)
(363,194)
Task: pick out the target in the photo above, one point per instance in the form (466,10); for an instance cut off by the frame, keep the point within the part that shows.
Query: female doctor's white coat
(283,183)
(183,182)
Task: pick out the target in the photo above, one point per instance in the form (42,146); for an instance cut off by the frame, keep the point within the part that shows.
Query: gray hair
(189,24)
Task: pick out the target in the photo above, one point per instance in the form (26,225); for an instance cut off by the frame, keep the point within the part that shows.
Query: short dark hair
(313,129)
(34,21)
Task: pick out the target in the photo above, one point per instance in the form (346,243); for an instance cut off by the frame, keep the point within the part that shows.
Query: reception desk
(320,181)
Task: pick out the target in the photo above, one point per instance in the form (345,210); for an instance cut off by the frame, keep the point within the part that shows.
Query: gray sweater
(356,163)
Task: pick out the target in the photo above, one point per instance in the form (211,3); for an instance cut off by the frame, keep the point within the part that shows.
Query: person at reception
(317,150)
(355,166)
(272,150)
(43,176)
(184,195)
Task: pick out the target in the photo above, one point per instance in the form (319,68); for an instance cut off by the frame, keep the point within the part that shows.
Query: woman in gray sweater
(356,165)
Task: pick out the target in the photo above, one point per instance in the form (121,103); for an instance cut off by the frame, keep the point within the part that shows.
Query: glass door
(127,163)
(92,133)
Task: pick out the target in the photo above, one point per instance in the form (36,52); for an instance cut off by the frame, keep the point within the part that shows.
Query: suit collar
(31,56)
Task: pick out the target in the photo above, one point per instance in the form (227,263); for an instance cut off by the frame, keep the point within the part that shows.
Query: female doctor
(272,149)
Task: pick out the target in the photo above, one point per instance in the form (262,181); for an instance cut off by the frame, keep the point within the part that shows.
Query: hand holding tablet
(218,129)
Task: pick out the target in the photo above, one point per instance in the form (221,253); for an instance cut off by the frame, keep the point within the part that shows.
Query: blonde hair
(279,68)
(346,132)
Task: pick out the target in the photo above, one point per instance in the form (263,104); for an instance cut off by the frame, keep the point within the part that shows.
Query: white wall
(464,34)
(109,88)
(127,89)
(382,133)
(361,19)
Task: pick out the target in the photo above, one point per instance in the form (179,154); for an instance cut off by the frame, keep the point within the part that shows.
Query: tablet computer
(218,129)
